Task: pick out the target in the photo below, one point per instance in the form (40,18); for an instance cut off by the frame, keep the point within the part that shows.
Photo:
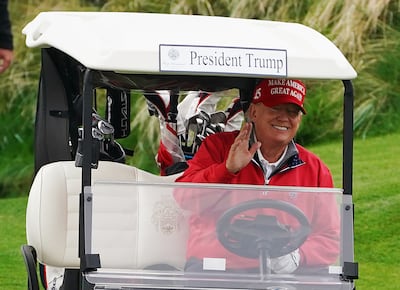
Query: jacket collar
(290,160)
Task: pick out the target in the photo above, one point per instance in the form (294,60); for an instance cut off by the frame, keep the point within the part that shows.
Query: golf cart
(102,224)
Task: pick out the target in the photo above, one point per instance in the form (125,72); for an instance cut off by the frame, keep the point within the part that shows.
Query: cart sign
(219,59)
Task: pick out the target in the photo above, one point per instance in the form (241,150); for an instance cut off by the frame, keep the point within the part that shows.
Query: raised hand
(240,154)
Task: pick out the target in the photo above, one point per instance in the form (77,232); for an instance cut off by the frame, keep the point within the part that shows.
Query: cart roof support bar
(348,106)
(88,260)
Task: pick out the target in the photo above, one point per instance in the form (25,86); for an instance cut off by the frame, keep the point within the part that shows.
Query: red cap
(273,92)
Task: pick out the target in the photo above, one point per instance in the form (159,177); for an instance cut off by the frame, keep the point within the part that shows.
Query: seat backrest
(129,229)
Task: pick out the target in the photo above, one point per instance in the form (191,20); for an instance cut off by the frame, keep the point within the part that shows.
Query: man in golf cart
(80,224)
(262,152)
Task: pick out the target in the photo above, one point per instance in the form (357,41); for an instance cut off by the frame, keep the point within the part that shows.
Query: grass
(377,219)
(12,236)
(376,195)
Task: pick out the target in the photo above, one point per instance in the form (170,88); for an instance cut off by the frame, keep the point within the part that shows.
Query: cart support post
(348,106)
(88,261)
(350,268)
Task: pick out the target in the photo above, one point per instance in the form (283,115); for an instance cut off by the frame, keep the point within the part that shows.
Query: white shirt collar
(263,160)
(269,167)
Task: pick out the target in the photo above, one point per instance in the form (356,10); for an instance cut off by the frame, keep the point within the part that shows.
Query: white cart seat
(123,222)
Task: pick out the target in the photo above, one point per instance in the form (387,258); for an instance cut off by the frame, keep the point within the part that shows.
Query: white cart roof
(186,44)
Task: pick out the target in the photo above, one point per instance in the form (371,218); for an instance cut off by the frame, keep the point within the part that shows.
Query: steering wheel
(249,236)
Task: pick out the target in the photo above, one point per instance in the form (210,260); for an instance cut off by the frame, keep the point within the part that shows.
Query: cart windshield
(185,235)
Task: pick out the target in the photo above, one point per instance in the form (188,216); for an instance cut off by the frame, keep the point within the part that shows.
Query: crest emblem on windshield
(167,216)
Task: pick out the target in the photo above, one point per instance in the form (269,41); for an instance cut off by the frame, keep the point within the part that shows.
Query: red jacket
(302,169)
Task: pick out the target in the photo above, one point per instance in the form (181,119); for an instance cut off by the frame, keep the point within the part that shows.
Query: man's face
(275,125)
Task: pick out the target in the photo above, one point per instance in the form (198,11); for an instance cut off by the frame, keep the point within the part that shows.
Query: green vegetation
(377,221)
(366,31)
